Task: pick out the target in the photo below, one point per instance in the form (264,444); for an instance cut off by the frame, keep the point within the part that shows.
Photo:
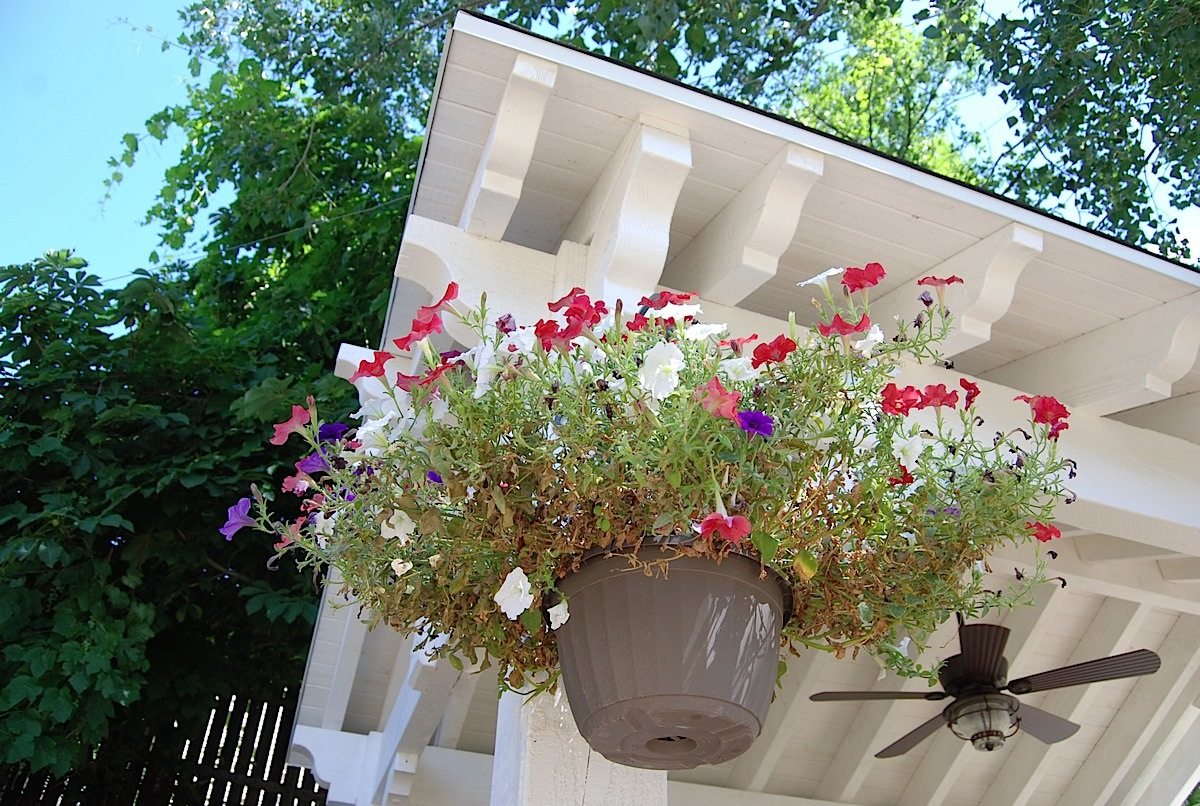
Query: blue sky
(73,80)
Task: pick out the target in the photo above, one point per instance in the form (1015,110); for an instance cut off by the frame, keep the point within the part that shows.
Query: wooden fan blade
(982,650)
(1130,664)
(1045,726)
(913,738)
(832,696)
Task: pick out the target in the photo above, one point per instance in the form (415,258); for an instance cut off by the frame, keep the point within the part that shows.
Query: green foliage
(121,607)
(1107,94)
(895,91)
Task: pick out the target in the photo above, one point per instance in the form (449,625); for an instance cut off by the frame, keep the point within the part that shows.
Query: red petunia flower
(972,390)
(1044,532)
(936,394)
(736,344)
(637,323)
(372,368)
(904,478)
(1046,410)
(578,306)
(773,351)
(732,528)
(856,279)
(717,400)
(428,320)
(550,334)
(292,425)
(900,401)
(407,382)
(843,328)
(940,282)
(662,299)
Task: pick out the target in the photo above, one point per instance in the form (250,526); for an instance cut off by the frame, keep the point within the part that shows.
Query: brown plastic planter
(669,673)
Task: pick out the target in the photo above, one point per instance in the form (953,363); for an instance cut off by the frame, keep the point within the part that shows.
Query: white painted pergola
(546,168)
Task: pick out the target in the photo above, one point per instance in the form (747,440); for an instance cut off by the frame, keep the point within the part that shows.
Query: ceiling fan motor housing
(985,720)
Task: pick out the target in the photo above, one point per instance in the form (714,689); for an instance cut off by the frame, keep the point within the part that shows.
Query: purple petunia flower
(926,298)
(756,422)
(331,432)
(433,477)
(313,463)
(239,516)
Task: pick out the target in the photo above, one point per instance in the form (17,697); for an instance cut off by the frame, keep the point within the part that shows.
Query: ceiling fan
(976,679)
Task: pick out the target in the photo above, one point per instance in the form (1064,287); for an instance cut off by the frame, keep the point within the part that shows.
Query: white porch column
(541,759)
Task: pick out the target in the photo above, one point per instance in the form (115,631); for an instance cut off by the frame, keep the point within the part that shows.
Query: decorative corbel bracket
(500,177)
(739,249)
(626,219)
(990,269)
(1126,364)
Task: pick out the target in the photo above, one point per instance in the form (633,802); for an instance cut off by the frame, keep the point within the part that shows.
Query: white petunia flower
(398,527)
(700,332)
(739,369)
(867,343)
(909,451)
(482,359)
(401,567)
(659,373)
(515,596)
(673,311)
(559,615)
(822,277)
(905,643)
(523,339)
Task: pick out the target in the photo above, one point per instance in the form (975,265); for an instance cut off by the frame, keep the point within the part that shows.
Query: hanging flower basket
(470,501)
(671,671)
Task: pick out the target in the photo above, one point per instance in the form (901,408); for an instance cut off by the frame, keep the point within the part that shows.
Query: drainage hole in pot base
(670,746)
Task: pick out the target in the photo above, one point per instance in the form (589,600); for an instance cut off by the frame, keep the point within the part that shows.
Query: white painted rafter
(1148,705)
(1184,570)
(1097,548)
(626,219)
(989,269)
(500,176)
(739,249)
(1127,364)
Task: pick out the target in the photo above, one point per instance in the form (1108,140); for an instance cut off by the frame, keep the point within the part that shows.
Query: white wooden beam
(942,762)
(1097,548)
(1149,703)
(1160,749)
(1180,571)
(516,279)
(449,730)
(1139,582)
(541,759)
(415,713)
(500,177)
(1126,364)
(1179,773)
(1178,416)
(1132,483)
(1112,631)
(336,759)
(752,770)
(854,759)
(626,219)
(989,268)
(739,249)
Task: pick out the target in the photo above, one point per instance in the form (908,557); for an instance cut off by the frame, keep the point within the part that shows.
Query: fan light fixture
(984,720)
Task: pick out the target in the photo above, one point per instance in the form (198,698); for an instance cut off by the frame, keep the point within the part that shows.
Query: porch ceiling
(522,135)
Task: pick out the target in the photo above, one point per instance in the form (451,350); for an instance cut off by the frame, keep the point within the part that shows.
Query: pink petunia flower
(729,527)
